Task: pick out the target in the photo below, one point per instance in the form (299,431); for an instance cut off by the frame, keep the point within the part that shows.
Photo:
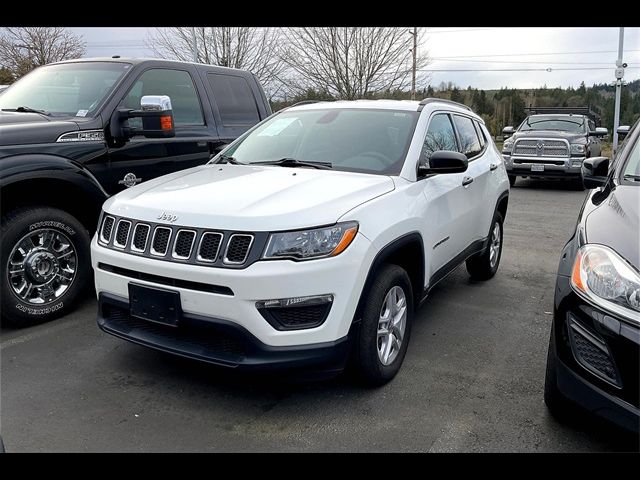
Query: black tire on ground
(578,184)
(512,180)
(559,406)
(15,225)
(366,362)
(479,265)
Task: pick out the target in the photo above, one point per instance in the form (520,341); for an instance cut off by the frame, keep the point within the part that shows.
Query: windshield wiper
(629,176)
(26,110)
(293,162)
(229,159)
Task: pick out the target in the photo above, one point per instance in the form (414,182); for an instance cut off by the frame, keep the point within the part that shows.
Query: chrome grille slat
(107,229)
(209,247)
(122,233)
(238,248)
(183,245)
(140,237)
(160,241)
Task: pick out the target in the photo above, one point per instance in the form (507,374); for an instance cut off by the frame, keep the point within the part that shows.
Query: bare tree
(24,48)
(352,62)
(255,49)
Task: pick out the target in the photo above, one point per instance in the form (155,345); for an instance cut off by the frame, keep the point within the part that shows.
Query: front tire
(484,265)
(558,405)
(512,180)
(44,262)
(384,333)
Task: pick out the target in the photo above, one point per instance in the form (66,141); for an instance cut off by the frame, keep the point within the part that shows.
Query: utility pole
(619,76)
(195,44)
(414,51)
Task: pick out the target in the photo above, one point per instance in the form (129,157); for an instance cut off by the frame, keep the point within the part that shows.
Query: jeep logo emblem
(167,217)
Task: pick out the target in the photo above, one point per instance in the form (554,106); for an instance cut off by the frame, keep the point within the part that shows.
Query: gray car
(551,146)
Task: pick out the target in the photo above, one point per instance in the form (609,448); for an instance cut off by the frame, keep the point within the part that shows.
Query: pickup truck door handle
(493,166)
(466,181)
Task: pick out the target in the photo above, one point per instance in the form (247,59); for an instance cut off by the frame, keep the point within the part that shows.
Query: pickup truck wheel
(45,262)
(579,184)
(512,180)
(385,330)
(484,265)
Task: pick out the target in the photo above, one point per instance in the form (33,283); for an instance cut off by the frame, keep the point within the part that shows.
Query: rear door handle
(466,181)
(493,166)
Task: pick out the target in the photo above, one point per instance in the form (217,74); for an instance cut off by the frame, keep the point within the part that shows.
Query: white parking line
(40,333)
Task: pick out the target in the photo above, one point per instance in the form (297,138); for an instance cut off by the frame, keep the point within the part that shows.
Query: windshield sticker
(276,127)
(82,113)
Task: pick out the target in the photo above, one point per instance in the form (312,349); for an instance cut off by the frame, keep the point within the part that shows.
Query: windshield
(562,124)
(632,167)
(354,140)
(69,89)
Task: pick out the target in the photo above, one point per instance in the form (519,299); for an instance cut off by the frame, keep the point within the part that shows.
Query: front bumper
(521,166)
(233,293)
(604,380)
(217,341)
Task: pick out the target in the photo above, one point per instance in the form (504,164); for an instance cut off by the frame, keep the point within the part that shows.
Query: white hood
(250,198)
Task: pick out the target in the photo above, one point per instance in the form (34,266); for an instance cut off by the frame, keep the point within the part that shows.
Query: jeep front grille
(122,233)
(193,245)
(541,147)
(160,242)
(238,248)
(184,244)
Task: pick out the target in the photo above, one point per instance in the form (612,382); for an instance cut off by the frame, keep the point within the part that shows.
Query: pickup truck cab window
(236,103)
(65,90)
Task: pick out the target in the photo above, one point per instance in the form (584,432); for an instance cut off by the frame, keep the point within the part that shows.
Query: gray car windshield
(356,140)
(67,89)
(562,124)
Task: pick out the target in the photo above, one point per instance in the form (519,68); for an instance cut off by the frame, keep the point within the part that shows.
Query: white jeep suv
(308,241)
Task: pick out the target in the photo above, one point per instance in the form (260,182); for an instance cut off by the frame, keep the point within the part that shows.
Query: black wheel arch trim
(380,259)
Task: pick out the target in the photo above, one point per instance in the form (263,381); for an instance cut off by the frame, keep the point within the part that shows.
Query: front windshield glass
(562,124)
(68,89)
(632,168)
(354,140)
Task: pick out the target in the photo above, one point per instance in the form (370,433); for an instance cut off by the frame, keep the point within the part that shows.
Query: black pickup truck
(73,133)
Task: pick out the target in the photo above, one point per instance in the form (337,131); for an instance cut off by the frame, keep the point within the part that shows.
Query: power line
(546,62)
(512,69)
(537,54)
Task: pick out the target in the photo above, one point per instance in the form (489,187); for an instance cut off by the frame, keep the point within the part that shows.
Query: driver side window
(440,136)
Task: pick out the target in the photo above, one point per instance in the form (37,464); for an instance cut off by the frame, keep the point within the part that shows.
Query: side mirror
(508,131)
(599,132)
(157,119)
(623,130)
(444,161)
(595,171)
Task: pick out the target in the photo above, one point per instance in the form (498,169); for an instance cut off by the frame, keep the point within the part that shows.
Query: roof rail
(589,111)
(304,102)
(427,101)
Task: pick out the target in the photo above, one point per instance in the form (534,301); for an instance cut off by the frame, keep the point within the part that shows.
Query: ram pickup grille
(539,147)
(199,246)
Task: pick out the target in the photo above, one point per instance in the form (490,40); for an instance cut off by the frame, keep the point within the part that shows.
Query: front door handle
(466,181)
(493,166)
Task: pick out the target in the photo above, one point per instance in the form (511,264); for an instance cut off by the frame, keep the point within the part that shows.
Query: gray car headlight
(577,148)
(313,243)
(605,278)
(507,146)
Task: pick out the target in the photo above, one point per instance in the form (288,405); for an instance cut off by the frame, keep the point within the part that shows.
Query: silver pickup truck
(551,145)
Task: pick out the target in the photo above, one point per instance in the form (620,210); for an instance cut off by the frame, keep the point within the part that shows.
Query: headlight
(309,244)
(607,280)
(577,148)
(507,146)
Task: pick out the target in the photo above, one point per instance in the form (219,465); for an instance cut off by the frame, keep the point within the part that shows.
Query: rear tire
(484,265)
(369,360)
(45,264)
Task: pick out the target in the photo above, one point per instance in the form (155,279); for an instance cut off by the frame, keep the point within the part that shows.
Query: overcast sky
(472,48)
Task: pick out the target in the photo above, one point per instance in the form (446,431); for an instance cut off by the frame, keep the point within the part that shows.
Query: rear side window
(235,100)
(469,142)
(177,84)
(440,136)
(592,125)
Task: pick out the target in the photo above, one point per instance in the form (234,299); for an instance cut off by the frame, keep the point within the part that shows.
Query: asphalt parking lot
(472,379)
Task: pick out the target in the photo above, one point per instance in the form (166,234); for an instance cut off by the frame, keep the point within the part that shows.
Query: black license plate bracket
(155,304)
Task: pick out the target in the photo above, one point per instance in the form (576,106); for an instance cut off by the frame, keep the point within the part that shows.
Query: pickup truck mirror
(157,119)
(508,131)
(595,171)
(599,132)
(444,161)
(623,130)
